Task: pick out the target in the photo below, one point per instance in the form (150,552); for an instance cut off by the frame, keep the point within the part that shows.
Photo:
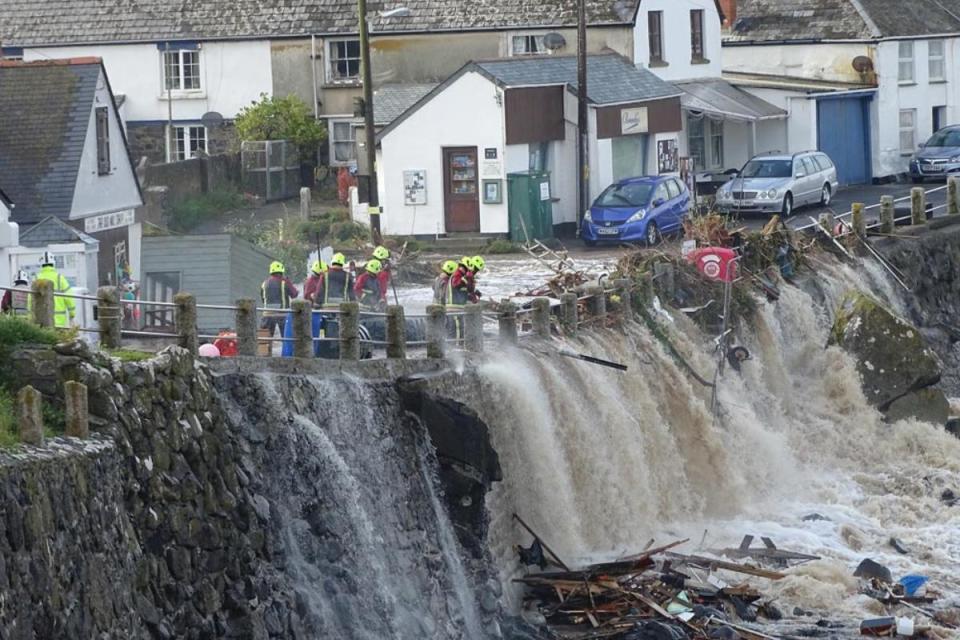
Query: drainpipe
(313,76)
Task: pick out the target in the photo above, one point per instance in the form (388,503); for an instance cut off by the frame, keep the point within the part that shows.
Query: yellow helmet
(466,261)
(276,267)
(478,263)
(318,267)
(449,267)
(338,259)
(381,253)
(373,266)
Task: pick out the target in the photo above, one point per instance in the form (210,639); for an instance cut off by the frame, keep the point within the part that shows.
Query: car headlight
(723,194)
(587,216)
(638,216)
(772,194)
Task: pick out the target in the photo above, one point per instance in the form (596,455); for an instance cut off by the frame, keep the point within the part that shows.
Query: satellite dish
(862,64)
(211,119)
(553,41)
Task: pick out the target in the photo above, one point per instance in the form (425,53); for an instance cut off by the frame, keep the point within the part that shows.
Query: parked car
(779,183)
(938,156)
(640,209)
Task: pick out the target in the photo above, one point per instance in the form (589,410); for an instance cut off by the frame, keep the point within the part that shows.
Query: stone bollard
(625,291)
(918,206)
(246,319)
(828,222)
(30,416)
(305,202)
(596,302)
(436,330)
(109,316)
(302,318)
(42,304)
(541,317)
(396,332)
(953,195)
(507,321)
(663,275)
(75,409)
(473,328)
(185,321)
(568,313)
(858,219)
(887,215)
(349,331)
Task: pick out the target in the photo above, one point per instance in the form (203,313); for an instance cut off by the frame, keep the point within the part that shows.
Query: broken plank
(647,553)
(731,566)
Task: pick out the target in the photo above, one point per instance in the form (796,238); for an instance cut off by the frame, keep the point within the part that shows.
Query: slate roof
(391,100)
(719,97)
(790,20)
(36,22)
(5,199)
(45,111)
(52,230)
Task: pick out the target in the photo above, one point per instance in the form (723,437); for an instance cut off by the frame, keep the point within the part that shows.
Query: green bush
(190,212)
(16,331)
(9,433)
(501,246)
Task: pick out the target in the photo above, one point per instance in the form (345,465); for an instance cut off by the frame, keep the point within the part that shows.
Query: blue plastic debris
(912,583)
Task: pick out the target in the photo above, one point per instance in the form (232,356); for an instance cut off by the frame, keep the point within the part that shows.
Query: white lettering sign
(109,221)
(633,121)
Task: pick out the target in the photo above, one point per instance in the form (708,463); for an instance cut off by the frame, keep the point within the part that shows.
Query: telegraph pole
(370,135)
(583,160)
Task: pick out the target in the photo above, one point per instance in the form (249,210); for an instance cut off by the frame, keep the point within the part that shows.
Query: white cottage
(443,164)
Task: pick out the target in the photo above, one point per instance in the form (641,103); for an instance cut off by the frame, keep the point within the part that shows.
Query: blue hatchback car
(639,209)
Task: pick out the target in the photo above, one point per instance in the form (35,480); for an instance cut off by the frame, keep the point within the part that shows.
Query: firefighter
(476,264)
(313,287)
(64,309)
(276,292)
(447,269)
(337,284)
(367,288)
(17,302)
(382,254)
(457,296)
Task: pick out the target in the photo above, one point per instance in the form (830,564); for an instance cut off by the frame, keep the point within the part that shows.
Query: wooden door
(461,193)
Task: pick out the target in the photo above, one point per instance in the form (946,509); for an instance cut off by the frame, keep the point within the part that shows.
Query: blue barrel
(287,351)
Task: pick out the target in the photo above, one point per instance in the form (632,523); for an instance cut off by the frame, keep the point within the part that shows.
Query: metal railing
(887,206)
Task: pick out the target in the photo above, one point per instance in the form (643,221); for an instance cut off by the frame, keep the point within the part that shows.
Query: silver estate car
(778,183)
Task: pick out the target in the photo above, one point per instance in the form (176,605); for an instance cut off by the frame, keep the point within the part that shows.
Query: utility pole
(583,160)
(370,136)
(171,155)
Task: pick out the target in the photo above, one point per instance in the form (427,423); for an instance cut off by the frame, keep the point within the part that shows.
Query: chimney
(729,8)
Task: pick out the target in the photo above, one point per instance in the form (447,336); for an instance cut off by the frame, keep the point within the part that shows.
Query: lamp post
(369,134)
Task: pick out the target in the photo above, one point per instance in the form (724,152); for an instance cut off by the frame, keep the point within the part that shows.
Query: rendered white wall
(676,39)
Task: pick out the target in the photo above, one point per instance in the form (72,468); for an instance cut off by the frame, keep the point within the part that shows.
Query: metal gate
(271,169)
(843,133)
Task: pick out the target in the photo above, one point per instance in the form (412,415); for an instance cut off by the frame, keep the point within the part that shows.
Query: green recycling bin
(529,206)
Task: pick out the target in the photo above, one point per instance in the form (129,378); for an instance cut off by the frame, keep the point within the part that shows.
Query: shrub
(190,212)
(501,246)
(281,118)
(9,433)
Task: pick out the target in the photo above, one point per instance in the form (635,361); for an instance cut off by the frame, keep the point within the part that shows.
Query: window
(343,142)
(939,118)
(344,56)
(190,141)
(655,33)
(809,166)
(538,156)
(661,193)
(908,131)
(935,61)
(11,53)
(630,194)
(696,35)
(181,70)
(823,162)
(102,116)
(905,71)
(527,45)
(673,190)
(696,141)
(716,144)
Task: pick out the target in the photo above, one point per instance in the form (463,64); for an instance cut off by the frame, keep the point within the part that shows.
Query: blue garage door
(843,133)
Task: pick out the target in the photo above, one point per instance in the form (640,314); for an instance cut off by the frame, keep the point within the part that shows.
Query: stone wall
(149,141)
(195,176)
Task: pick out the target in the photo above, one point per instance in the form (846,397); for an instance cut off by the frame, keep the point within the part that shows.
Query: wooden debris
(769,553)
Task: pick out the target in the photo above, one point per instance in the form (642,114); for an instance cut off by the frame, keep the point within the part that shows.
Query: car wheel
(653,234)
(787,209)
(825,196)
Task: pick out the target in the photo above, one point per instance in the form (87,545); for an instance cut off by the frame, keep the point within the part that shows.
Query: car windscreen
(631,194)
(767,169)
(945,138)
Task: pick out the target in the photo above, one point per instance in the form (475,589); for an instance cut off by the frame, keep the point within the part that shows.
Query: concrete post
(436,330)
(109,315)
(596,302)
(42,303)
(473,328)
(30,416)
(887,217)
(76,411)
(541,317)
(349,331)
(624,290)
(396,332)
(828,222)
(663,275)
(302,330)
(185,321)
(953,195)
(246,319)
(568,313)
(858,220)
(305,202)
(507,320)
(918,206)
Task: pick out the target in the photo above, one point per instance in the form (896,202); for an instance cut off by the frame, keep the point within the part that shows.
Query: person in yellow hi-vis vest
(64,309)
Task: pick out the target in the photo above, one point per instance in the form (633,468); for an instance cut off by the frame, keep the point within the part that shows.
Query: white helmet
(47,259)
(21,277)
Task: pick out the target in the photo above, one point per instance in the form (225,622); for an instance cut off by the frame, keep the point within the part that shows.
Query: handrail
(877,206)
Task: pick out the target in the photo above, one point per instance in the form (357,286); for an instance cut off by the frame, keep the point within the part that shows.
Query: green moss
(190,212)
(9,436)
(501,246)
(130,355)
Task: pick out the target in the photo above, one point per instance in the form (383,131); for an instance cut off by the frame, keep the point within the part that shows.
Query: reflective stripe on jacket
(336,287)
